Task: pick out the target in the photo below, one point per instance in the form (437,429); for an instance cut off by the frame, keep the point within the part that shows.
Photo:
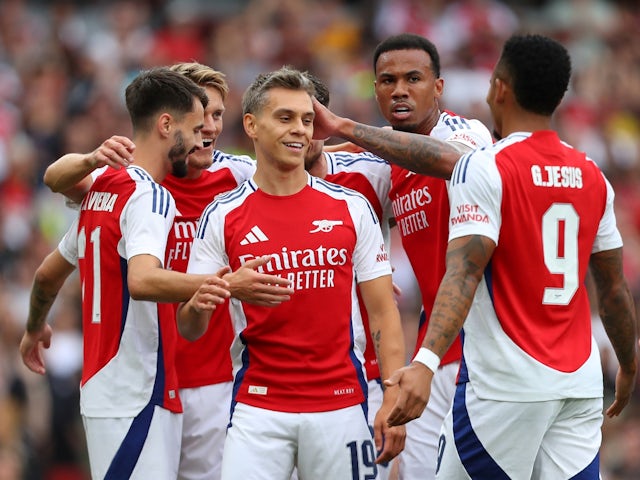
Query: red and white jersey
(369,175)
(129,345)
(421,209)
(548,208)
(205,361)
(304,355)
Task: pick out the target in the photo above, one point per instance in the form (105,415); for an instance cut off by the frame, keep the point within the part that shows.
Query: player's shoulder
(347,161)
(231,198)
(220,158)
(469,131)
(340,192)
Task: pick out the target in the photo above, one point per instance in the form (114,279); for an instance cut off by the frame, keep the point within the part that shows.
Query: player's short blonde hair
(204,76)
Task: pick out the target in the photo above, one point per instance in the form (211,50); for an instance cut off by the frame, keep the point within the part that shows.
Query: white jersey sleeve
(608,236)
(370,257)
(469,132)
(242,167)
(146,221)
(475,197)
(68,246)
(208,252)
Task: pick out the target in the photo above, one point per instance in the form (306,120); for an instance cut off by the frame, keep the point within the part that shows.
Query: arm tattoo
(467,258)
(39,306)
(418,153)
(616,305)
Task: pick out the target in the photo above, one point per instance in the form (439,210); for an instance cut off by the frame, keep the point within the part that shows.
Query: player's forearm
(40,303)
(68,172)
(160,285)
(418,153)
(450,309)
(620,324)
(388,341)
(47,282)
(617,309)
(191,323)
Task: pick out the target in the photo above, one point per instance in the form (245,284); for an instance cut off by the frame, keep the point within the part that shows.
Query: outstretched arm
(617,312)
(47,282)
(418,153)
(70,174)
(467,258)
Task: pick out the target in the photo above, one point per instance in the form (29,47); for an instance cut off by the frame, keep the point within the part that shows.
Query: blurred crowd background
(63,69)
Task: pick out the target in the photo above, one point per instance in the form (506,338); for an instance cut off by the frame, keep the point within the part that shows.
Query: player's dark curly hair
(408,41)
(538,69)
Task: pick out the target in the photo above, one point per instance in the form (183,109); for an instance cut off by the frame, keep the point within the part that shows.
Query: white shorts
(420,455)
(146,446)
(374,404)
(266,445)
(486,439)
(204,428)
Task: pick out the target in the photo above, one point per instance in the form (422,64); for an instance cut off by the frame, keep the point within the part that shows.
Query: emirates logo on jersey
(324,225)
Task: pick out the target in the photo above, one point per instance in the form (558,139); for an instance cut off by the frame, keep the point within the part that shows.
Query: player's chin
(201,158)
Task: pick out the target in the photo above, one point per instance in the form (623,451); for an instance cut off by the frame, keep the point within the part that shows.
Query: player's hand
(625,383)
(414,382)
(251,286)
(115,152)
(31,348)
(212,292)
(324,121)
(389,440)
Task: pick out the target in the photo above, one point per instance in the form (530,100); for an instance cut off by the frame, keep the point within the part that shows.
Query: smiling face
(213,124)
(282,130)
(407,90)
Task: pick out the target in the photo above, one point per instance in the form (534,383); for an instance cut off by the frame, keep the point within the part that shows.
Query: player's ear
(164,123)
(438,87)
(501,89)
(249,123)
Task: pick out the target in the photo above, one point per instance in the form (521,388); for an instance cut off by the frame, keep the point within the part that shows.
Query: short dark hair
(256,95)
(322,91)
(538,69)
(161,89)
(408,41)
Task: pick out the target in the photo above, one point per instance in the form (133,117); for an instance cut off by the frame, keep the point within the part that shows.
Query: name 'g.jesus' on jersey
(305,355)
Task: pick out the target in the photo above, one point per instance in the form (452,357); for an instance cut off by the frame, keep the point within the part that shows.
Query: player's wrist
(428,358)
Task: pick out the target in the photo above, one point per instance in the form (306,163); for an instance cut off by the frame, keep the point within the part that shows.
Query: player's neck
(280,182)
(151,160)
(525,122)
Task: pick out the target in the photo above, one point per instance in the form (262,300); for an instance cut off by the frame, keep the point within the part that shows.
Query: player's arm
(388,340)
(418,153)
(617,312)
(71,173)
(467,258)
(147,280)
(47,282)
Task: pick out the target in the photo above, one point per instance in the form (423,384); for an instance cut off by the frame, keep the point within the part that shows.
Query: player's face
(407,90)
(283,130)
(187,138)
(313,153)
(202,158)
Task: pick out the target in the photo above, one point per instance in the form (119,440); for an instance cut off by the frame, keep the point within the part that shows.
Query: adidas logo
(254,236)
